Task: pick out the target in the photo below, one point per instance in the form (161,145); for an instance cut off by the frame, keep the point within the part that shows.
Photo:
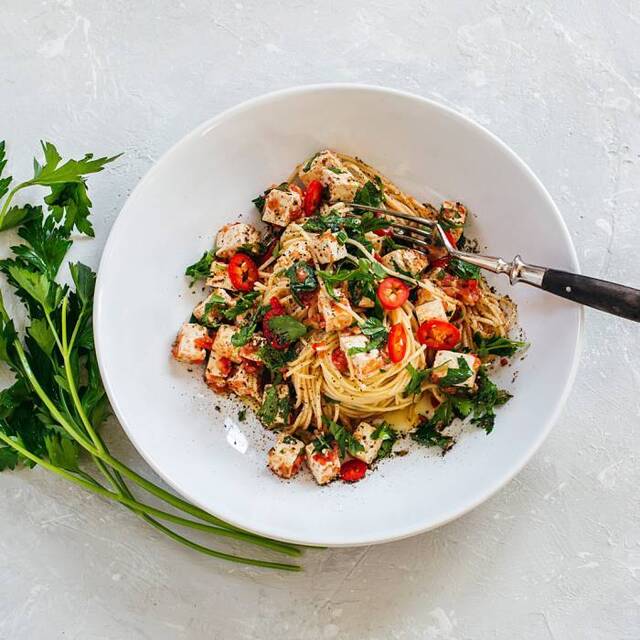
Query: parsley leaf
(309,162)
(487,398)
(302,278)
(200,269)
(321,443)
(377,333)
(287,327)
(464,269)
(269,409)
(414,386)
(496,346)
(346,441)
(429,432)
(388,436)
(457,375)
(364,274)
(370,194)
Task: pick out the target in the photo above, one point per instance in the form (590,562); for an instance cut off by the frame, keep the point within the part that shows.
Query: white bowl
(208,179)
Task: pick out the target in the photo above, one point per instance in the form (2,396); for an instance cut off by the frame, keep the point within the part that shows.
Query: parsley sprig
(51,415)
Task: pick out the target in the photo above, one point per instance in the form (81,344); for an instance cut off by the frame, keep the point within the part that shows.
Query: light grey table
(556,554)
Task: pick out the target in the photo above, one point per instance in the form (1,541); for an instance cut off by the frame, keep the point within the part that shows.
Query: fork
(613,298)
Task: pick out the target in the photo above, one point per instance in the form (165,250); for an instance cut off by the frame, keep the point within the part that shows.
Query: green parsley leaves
(200,269)
(287,328)
(302,278)
(414,386)
(377,333)
(346,441)
(463,269)
(388,436)
(370,194)
(496,346)
(457,375)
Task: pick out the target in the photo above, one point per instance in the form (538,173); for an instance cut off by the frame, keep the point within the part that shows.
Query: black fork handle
(606,296)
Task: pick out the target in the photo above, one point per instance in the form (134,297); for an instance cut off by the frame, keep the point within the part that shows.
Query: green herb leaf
(429,432)
(269,409)
(287,327)
(457,375)
(414,386)
(201,268)
(377,333)
(302,277)
(61,451)
(388,436)
(464,269)
(370,194)
(346,441)
(496,346)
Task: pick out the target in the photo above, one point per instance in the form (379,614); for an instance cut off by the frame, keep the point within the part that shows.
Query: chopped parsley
(302,278)
(375,331)
(457,375)
(200,269)
(414,386)
(346,441)
(496,346)
(287,328)
(370,194)
(275,408)
(388,436)
(464,269)
(307,166)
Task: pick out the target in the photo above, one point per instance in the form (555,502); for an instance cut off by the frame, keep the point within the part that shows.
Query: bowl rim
(220,118)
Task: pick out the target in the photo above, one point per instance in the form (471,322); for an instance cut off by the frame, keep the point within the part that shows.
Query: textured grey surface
(556,554)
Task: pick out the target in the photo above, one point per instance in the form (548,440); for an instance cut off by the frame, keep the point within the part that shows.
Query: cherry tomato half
(243,272)
(353,470)
(312,197)
(438,334)
(275,340)
(392,293)
(339,360)
(397,343)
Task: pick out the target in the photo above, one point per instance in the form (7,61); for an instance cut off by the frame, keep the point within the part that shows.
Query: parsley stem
(8,199)
(95,487)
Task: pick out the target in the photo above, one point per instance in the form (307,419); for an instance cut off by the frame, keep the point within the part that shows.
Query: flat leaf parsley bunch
(51,415)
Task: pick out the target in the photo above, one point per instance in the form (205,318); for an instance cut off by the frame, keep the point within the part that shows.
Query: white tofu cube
(245,381)
(430,291)
(324,465)
(219,276)
(223,346)
(406,261)
(456,214)
(189,343)
(364,435)
(250,350)
(217,372)
(341,184)
(293,252)
(286,456)
(324,160)
(446,360)
(235,236)
(432,310)
(328,249)
(363,364)
(281,207)
(336,314)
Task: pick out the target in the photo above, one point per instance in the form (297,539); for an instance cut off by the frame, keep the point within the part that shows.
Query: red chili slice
(438,334)
(383,232)
(243,272)
(397,343)
(275,340)
(339,360)
(353,470)
(392,293)
(312,197)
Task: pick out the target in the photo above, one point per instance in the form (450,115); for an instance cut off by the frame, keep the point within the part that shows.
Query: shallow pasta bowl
(193,439)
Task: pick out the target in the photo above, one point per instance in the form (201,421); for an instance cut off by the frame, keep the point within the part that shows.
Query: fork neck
(517,269)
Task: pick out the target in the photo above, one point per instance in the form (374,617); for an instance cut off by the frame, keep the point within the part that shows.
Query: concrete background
(554,555)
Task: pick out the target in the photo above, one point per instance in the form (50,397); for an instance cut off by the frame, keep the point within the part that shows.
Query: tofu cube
(286,457)
(235,236)
(318,164)
(186,347)
(341,184)
(406,261)
(328,249)
(281,207)
(324,465)
(455,214)
(219,276)
(363,364)
(446,360)
(336,314)
(250,350)
(205,312)
(245,381)
(223,346)
(430,291)
(431,310)
(293,252)
(364,435)
(217,372)
(282,413)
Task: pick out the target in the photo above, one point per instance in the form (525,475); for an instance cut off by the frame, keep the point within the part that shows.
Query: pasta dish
(343,337)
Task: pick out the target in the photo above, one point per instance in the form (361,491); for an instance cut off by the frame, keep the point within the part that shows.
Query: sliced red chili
(312,197)
(392,293)
(243,272)
(339,360)
(397,342)
(353,470)
(383,232)
(438,334)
